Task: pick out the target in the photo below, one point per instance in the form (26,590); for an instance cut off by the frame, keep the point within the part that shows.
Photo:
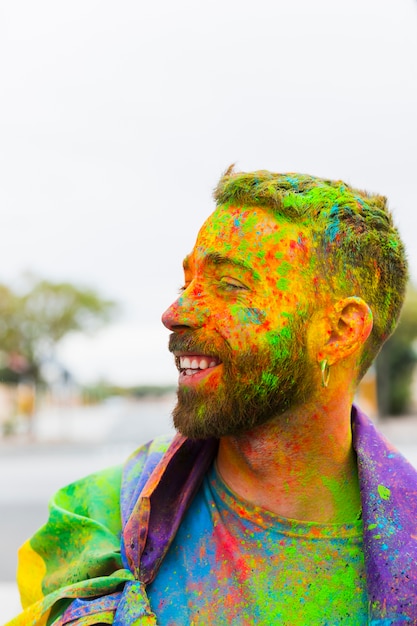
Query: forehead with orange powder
(253,261)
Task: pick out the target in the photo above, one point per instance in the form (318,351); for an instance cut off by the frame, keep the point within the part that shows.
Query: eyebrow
(217,259)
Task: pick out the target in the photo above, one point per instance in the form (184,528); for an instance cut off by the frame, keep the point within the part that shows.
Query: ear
(348,325)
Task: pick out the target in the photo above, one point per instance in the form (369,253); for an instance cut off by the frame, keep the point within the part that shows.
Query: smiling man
(277,502)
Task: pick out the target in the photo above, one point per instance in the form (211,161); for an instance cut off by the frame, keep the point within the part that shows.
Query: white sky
(117,118)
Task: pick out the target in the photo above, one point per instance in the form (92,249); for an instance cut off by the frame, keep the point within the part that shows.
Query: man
(277,503)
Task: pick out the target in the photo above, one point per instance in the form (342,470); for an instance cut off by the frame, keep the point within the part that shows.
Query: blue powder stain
(252,316)
(236,222)
(333,230)
(293,182)
(359,201)
(387,621)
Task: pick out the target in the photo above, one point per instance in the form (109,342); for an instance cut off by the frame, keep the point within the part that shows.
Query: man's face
(239,326)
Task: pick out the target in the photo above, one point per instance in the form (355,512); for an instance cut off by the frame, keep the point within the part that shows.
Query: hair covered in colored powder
(357,247)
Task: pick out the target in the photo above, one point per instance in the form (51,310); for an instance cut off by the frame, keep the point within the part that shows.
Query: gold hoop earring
(325,373)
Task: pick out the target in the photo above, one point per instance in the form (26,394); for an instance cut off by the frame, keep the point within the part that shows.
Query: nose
(188,312)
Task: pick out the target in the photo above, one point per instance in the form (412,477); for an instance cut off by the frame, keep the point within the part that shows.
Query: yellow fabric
(30,588)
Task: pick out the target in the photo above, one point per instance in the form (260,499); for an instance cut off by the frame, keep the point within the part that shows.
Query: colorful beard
(255,386)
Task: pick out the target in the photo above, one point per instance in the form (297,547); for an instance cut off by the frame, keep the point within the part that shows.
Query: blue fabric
(234,563)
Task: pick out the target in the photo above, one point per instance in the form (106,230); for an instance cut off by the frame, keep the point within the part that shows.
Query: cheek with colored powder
(249,315)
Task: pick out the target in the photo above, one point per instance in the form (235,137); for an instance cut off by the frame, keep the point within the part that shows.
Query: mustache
(194,342)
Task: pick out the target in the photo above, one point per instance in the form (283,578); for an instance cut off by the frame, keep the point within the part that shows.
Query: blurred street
(72,442)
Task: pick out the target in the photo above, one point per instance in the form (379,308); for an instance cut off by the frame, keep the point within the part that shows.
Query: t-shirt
(235,563)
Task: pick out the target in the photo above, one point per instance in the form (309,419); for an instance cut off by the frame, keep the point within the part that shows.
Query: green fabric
(76,554)
(82,538)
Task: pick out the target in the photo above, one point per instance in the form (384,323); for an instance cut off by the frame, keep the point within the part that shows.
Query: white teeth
(195,363)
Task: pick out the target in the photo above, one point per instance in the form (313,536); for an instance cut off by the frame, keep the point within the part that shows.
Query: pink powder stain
(228,554)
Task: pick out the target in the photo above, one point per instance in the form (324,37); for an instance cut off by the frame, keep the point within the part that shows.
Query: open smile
(195,366)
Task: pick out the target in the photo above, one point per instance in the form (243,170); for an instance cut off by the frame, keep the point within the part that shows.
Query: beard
(256,386)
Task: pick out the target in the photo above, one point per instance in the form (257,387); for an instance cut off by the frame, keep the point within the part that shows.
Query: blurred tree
(33,322)
(397,361)
(9,304)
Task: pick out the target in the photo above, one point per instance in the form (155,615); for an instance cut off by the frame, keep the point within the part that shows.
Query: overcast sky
(117,119)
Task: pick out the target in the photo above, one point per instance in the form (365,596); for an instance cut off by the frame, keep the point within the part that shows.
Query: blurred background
(116,121)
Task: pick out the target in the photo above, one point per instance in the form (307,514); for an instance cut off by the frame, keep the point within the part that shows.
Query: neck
(300,465)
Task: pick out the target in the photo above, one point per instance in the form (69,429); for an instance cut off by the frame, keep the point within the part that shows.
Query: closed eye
(231,284)
(226,283)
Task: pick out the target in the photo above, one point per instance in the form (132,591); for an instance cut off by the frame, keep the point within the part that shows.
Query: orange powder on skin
(265,243)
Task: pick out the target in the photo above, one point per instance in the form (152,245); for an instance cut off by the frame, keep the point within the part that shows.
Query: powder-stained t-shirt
(235,563)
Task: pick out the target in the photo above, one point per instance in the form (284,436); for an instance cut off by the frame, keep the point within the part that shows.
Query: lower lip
(198,376)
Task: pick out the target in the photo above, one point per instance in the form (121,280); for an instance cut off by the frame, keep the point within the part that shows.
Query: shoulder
(100,491)
(380,464)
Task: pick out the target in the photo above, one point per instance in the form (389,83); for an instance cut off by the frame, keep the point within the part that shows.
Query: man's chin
(195,412)
(215,420)
(193,423)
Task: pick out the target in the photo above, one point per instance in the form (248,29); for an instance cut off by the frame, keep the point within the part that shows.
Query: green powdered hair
(357,247)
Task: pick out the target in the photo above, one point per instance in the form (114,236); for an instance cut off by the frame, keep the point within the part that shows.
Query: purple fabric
(158,511)
(81,608)
(136,473)
(388,486)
